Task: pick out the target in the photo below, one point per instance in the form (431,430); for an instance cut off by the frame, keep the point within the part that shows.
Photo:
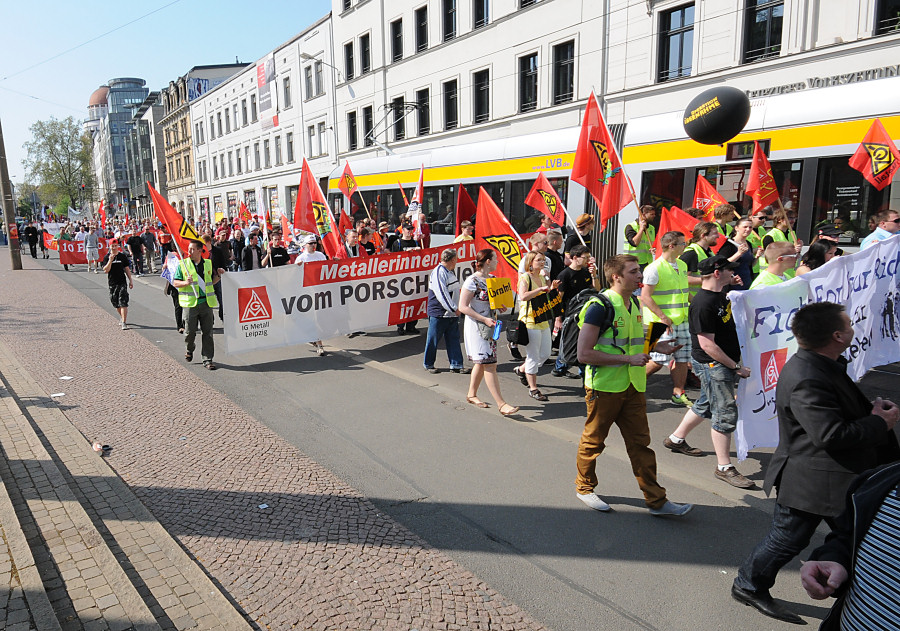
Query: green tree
(59,159)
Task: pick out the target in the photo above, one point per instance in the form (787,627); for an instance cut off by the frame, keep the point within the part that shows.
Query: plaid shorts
(681,334)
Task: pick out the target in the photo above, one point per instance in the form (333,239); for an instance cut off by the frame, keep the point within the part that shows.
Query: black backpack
(568,335)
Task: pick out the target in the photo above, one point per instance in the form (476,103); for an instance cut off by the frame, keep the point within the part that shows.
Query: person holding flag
(640,236)
(194,278)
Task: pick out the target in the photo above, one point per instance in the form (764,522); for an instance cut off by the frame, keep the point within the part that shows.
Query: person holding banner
(194,278)
(536,311)
(92,250)
(611,347)
(716,359)
(828,433)
(888,224)
(310,255)
(478,332)
(780,257)
(404,243)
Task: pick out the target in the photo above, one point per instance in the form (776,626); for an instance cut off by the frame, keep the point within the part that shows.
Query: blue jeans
(716,401)
(562,366)
(790,532)
(447,328)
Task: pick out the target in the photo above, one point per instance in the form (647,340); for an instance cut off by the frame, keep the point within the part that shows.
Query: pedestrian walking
(532,283)
(443,314)
(194,278)
(118,272)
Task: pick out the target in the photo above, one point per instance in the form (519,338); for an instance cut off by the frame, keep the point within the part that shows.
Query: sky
(55,53)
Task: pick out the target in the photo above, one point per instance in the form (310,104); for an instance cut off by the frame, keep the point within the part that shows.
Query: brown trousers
(628,410)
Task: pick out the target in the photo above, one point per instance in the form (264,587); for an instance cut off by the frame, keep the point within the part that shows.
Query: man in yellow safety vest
(194,278)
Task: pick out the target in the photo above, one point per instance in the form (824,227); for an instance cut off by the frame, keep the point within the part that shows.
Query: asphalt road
(497,494)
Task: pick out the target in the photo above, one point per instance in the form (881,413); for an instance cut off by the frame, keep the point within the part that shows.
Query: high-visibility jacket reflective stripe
(625,337)
(189,296)
(671,293)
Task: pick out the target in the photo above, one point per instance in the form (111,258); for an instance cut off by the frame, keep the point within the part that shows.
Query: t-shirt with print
(710,312)
(116,275)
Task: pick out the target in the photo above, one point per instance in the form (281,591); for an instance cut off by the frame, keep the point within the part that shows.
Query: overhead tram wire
(85,43)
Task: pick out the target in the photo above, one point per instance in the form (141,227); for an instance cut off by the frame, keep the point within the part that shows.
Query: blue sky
(177,35)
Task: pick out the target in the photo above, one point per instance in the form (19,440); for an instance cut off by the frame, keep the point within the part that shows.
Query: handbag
(517,333)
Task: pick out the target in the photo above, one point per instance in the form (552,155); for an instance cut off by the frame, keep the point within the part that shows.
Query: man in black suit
(828,434)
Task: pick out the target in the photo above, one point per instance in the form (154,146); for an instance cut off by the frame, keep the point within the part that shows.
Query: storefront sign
(826,82)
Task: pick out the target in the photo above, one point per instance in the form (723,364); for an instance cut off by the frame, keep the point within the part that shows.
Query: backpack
(568,334)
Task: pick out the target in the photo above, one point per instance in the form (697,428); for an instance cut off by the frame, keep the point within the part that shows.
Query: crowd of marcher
(829,432)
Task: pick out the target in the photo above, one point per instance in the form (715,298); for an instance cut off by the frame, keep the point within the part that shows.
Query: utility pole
(9,209)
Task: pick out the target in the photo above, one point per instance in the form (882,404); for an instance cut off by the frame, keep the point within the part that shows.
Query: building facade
(109,128)
(253,130)
(177,131)
(144,163)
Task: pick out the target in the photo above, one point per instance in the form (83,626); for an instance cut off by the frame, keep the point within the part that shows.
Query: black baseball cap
(714,263)
(828,230)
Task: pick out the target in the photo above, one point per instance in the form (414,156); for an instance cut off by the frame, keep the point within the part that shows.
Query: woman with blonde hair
(533,283)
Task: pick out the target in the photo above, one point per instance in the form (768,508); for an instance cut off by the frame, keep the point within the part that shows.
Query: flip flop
(477,402)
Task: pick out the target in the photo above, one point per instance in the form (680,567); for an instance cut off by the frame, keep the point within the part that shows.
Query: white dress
(479,350)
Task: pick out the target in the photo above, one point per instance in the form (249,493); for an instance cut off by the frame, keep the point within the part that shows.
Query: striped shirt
(873,601)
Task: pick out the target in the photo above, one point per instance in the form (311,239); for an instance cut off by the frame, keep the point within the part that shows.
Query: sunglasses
(897,220)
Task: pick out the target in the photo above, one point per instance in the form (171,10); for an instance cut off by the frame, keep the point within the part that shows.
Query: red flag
(415,206)
(182,232)
(348,182)
(674,219)
(706,198)
(876,157)
(760,182)
(102,214)
(344,223)
(494,231)
(244,212)
(402,192)
(465,208)
(597,165)
(286,227)
(311,213)
(543,197)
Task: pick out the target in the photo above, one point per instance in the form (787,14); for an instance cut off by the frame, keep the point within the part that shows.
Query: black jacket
(827,435)
(247,257)
(864,498)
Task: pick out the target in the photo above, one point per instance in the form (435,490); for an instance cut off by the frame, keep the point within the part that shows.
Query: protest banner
(294,304)
(867,284)
(72,252)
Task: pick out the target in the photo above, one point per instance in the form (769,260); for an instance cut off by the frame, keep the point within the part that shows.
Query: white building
(252,131)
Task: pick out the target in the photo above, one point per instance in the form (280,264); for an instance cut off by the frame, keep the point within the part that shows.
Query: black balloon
(717,115)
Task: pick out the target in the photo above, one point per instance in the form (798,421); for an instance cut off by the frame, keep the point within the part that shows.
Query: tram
(808,136)
(506,168)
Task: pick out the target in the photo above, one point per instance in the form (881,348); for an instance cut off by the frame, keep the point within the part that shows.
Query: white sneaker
(124,327)
(592,500)
(671,509)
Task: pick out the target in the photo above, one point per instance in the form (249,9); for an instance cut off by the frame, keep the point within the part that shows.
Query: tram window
(662,188)
(843,196)
(730,181)
(440,208)
(523,217)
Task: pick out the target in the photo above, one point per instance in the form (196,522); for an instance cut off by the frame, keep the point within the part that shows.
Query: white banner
(866,283)
(294,304)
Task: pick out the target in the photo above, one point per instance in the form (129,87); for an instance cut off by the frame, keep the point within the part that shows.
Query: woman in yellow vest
(640,235)
(704,236)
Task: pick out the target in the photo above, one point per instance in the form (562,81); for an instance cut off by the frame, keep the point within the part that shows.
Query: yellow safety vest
(188,296)
(778,235)
(766,279)
(642,249)
(701,256)
(755,239)
(671,292)
(624,337)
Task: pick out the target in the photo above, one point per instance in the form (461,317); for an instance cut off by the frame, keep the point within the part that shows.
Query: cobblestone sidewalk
(293,545)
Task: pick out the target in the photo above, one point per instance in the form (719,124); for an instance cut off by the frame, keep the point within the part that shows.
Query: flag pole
(366,208)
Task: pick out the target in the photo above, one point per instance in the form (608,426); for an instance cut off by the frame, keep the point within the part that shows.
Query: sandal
(477,402)
(508,410)
(537,394)
(521,376)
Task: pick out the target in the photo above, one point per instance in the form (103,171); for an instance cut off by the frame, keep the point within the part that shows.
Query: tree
(59,159)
